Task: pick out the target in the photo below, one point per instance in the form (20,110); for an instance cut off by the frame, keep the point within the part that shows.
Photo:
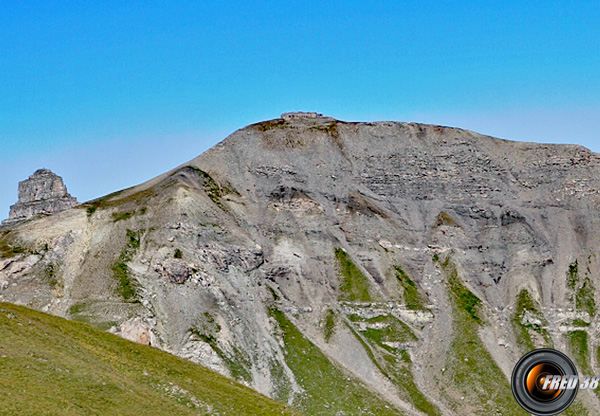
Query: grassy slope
(51,366)
(470,369)
(327,389)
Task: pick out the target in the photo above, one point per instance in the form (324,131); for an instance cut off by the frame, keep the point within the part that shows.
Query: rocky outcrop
(175,270)
(43,193)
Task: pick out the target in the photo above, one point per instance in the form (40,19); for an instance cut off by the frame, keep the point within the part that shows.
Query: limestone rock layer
(44,192)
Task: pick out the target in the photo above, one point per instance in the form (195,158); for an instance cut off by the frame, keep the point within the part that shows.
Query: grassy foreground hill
(52,366)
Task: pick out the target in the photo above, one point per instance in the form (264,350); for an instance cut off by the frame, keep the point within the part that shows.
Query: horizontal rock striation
(42,193)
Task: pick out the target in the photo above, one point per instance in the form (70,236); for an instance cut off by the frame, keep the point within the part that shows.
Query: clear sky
(110,93)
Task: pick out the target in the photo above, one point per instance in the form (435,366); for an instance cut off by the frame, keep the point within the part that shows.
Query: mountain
(52,366)
(343,268)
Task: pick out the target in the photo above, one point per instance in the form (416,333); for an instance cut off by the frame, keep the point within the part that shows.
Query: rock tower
(42,193)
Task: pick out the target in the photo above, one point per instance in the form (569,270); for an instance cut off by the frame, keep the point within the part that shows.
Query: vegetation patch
(277,123)
(412,296)
(470,371)
(54,366)
(329,128)
(526,306)
(572,275)
(329,324)
(463,298)
(445,219)
(281,383)
(354,285)
(178,254)
(327,389)
(237,362)
(578,345)
(273,293)
(126,287)
(91,208)
(395,364)
(385,329)
(585,297)
(212,188)
(110,200)
(9,249)
(51,274)
(583,293)
(119,216)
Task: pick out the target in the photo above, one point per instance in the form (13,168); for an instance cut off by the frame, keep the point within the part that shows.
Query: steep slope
(51,366)
(344,268)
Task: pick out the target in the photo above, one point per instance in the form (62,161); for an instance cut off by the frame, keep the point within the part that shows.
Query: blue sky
(109,94)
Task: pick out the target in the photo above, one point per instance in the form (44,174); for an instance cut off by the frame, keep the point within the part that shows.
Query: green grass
(178,254)
(329,324)
(119,216)
(51,274)
(354,285)
(445,219)
(585,297)
(125,286)
(91,208)
(526,304)
(576,409)
(578,345)
(327,389)
(394,330)
(9,248)
(393,363)
(207,329)
(212,188)
(582,294)
(270,124)
(412,297)
(470,370)
(572,275)
(51,366)
(463,298)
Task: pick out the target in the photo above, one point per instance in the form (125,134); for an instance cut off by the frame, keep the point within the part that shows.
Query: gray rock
(43,193)
(175,270)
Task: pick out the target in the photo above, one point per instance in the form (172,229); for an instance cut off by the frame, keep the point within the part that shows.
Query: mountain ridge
(383,250)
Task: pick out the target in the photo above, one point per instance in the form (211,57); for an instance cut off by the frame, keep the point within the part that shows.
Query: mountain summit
(344,268)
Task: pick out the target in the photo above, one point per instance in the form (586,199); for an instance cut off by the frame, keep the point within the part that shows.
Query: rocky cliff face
(345,268)
(43,193)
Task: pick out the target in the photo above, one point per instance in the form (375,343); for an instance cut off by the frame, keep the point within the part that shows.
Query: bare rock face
(138,331)
(43,193)
(175,270)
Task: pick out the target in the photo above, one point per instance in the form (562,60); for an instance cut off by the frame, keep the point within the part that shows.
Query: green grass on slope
(525,331)
(51,366)
(471,379)
(578,345)
(393,363)
(328,390)
(127,287)
(354,286)
(412,297)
